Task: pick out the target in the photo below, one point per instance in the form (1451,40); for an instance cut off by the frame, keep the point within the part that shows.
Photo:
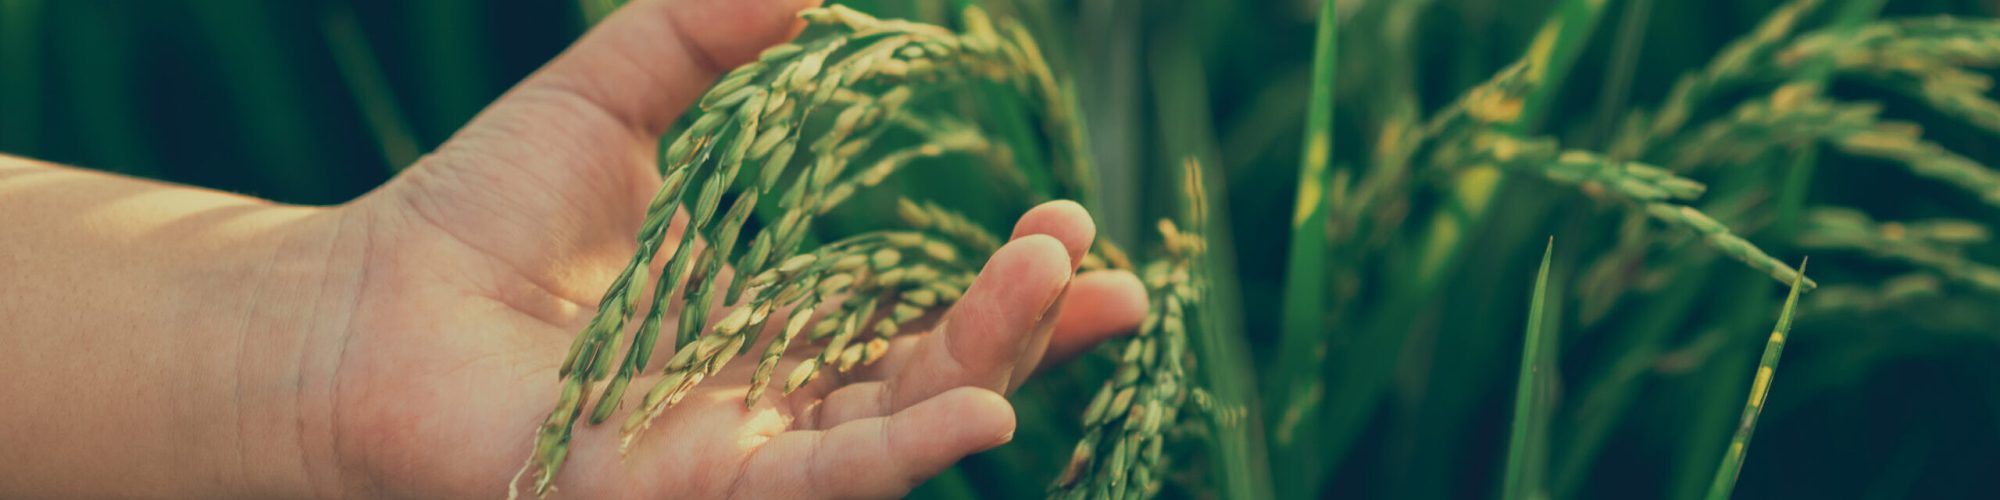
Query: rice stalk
(1936,246)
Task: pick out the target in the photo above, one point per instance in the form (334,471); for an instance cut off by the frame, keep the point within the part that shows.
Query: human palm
(486,258)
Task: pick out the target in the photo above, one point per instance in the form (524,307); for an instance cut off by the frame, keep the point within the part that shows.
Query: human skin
(169,341)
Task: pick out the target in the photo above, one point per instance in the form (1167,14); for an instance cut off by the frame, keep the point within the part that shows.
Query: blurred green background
(318,101)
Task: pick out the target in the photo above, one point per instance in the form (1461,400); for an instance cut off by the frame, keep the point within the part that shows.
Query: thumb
(561,166)
(634,72)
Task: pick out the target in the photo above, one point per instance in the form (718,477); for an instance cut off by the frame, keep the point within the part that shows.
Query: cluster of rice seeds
(1919,48)
(900,273)
(881,302)
(1792,113)
(955,138)
(755,115)
(1894,293)
(1798,112)
(929,217)
(1936,246)
(1126,423)
(1495,102)
(1120,453)
(1742,60)
(1651,189)
(1903,144)
(1926,58)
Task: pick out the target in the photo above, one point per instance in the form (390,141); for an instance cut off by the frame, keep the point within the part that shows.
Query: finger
(879,457)
(981,340)
(1064,220)
(1099,305)
(1116,301)
(851,402)
(1068,222)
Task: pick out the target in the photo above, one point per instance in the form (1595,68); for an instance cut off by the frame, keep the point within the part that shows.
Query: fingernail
(1008,438)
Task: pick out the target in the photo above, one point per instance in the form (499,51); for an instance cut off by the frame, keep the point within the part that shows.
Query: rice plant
(1331,203)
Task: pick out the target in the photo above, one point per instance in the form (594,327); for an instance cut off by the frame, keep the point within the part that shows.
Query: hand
(485,259)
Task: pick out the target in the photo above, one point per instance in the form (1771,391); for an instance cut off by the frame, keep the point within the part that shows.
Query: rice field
(1334,204)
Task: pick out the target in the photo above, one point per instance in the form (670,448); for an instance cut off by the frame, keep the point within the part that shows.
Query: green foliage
(1335,302)
(1527,441)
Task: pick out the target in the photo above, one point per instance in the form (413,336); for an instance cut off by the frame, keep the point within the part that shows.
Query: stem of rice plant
(1531,403)
(1732,461)
(372,93)
(1303,324)
(1623,63)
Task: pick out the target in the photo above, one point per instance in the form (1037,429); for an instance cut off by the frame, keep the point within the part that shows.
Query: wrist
(291,323)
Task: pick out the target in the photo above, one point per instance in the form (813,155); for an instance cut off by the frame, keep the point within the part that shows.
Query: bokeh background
(318,101)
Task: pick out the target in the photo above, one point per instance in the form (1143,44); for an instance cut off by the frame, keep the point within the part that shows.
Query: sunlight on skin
(405,344)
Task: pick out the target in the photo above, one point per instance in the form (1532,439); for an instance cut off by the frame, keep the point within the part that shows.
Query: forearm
(148,348)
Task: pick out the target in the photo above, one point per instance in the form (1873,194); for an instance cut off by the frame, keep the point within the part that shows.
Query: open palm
(486,258)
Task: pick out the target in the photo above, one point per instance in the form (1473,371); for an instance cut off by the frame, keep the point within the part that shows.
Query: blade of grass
(1732,460)
(1616,92)
(1297,390)
(370,87)
(21,83)
(1458,357)
(1531,401)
